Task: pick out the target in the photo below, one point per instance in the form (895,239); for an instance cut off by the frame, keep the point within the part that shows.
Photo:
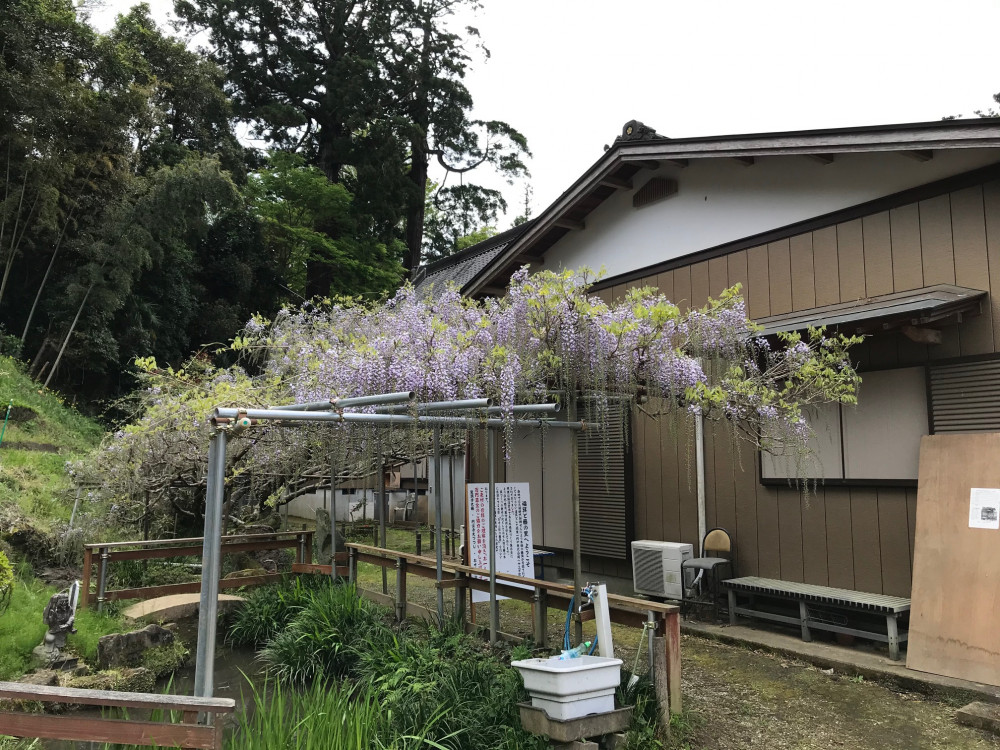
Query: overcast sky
(569,73)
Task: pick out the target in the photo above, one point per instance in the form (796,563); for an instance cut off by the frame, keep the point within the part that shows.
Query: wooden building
(893,231)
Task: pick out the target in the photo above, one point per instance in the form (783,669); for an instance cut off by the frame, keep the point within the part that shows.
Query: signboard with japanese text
(513,536)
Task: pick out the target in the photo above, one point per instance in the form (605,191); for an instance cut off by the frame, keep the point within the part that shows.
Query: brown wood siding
(851,256)
(779,277)
(827,264)
(878,254)
(858,537)
(803,284)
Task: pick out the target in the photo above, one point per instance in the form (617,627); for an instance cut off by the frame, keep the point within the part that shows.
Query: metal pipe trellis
(223,419)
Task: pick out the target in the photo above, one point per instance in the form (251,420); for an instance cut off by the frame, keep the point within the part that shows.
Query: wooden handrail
(22,691)
(189,540)
(156,549)
(625,602)
(187,734)
(542,595)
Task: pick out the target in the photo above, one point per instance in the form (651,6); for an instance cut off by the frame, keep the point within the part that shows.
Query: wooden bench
(820,599)
(187,734)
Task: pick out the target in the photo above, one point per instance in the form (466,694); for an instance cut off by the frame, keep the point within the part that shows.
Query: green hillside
(41,435)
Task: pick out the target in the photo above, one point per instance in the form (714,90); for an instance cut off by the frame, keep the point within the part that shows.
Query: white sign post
(513,537)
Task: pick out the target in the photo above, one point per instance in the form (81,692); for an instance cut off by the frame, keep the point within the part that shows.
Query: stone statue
(59,615)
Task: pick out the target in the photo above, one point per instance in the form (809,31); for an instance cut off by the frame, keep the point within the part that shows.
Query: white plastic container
(571,688)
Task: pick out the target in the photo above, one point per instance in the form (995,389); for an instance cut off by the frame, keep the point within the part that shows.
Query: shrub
(268,611)
(319,642)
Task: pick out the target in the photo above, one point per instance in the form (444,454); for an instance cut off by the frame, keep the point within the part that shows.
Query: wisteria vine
(547,338)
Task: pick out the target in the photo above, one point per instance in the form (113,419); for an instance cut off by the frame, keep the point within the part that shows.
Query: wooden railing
(164,549)
(186,734)
(541,594)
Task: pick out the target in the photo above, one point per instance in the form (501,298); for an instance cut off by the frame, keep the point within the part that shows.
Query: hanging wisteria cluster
(547,339)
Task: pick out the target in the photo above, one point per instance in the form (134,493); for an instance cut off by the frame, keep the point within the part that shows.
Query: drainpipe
(699,443)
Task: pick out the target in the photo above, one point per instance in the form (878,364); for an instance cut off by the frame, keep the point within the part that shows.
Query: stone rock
(323,551)
(41,677)
(127,649)
(137,680)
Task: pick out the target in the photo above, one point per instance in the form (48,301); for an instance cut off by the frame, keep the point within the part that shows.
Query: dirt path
(738,698)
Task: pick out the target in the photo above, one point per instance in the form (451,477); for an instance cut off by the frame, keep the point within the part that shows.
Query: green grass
(34,480)
(21,629)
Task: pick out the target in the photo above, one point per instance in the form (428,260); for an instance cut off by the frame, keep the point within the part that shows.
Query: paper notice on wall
(514,553)
(984,508)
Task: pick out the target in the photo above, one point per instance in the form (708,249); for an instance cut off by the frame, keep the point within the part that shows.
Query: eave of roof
(629,156)
(916,307)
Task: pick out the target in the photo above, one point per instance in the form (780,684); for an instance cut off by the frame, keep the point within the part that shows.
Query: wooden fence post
(541,612)
(673,656)
(400,588)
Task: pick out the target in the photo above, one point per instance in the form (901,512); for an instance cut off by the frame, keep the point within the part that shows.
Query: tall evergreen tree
(368,90)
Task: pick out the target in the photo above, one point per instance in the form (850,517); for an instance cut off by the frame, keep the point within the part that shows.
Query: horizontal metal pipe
(335,403)
(381,398)
(313,406)
(301,416)
(525,408)
(468,403)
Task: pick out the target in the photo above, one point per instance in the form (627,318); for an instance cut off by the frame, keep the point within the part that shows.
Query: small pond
(235,669)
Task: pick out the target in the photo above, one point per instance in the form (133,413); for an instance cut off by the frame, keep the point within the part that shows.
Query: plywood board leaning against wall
(956,560)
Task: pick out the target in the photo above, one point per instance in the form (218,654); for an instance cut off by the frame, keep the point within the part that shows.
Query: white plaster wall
(305,506)
(721,200)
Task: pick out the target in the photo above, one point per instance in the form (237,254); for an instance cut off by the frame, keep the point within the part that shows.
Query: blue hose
(569,614)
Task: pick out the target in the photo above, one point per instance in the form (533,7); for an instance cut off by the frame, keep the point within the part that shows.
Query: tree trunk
(69,333)
(418,204)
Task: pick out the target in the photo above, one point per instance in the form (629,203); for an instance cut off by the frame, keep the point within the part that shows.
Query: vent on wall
(965,397)
(656,189)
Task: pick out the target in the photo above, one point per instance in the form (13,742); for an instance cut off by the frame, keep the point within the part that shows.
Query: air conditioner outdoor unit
(656,567)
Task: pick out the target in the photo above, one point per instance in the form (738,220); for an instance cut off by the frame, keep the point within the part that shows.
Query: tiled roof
(464,266)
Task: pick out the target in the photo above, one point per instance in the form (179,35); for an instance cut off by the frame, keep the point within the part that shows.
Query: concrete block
(980,715)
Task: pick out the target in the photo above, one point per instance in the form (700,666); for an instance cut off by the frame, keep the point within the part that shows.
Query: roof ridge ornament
(633,130)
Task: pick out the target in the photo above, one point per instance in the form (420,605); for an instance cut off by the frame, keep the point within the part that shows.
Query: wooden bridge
(106,553)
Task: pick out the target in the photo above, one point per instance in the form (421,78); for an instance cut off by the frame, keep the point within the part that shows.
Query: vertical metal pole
(451,492)
(383,510)
(102,578)
(333,517)
(438,482)
(699,442)
(577,560)
(494,612)
(210,563)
